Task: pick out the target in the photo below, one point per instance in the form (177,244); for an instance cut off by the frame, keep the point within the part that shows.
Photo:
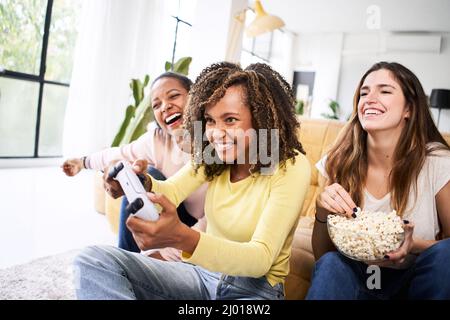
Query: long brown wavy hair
(347,160)
(266,93)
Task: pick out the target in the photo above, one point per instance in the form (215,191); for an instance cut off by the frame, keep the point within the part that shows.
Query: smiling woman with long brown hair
(390,156)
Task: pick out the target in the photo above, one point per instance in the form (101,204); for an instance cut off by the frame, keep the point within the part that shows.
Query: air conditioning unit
(413,43)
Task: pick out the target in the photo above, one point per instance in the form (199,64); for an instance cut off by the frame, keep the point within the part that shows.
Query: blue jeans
(337,277)
(106,272)
(126,240)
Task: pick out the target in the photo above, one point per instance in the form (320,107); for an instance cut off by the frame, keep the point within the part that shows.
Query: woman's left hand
(398,256)
(157,234)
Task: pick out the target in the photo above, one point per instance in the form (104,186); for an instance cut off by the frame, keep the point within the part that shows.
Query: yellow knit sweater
(250,223)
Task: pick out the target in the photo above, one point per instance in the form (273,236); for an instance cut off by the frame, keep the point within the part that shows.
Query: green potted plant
(300,107)
(335,110)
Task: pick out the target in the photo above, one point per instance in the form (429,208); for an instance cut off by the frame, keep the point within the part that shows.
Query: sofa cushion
(301,262)
(316,137)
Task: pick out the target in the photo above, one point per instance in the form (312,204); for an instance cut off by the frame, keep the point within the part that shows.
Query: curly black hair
(267,94)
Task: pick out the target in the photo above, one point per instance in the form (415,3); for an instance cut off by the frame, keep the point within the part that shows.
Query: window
(260,48)
(37,43)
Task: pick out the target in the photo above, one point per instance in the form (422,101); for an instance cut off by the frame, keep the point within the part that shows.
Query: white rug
(48,278)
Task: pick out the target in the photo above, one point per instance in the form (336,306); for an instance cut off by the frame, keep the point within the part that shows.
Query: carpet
(47,278)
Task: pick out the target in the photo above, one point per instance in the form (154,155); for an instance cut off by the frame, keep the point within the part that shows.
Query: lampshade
(263,22)
(440,98)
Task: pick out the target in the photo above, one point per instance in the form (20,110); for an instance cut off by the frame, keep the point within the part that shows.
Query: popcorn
(368,237)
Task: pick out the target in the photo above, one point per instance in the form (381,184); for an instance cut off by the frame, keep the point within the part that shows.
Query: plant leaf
(168,66)
(139,113)
(182,65)
(146,80)
(141,128)
(327,116)
(299,107)
(137,91)
(129,114)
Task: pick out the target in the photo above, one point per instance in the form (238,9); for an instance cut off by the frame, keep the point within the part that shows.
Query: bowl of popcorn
(369,236)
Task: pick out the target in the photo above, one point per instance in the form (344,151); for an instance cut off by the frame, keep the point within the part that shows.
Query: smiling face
(382,104)
(226,121)
(169,98)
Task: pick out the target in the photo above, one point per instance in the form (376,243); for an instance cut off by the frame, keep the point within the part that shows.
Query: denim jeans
(126,240)
(106,272)
(337,277)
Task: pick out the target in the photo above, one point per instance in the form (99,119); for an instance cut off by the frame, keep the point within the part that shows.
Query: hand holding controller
(139,204)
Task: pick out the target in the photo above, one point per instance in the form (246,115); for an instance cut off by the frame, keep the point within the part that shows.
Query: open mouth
(223,146)
(372,112)
(172,118)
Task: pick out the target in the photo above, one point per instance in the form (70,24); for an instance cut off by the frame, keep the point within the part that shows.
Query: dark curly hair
(266,93)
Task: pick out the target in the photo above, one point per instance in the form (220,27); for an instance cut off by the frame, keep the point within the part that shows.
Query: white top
(162,152)
(422,211)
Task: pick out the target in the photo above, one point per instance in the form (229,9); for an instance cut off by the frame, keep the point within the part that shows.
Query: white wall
(211,32)
(362,50)
(340,40)
(306,16)
(340,60)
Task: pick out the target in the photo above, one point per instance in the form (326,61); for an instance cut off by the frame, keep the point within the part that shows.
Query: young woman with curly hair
(389,156)
(252,205)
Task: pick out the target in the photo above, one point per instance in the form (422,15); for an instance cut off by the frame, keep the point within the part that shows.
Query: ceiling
(313,16)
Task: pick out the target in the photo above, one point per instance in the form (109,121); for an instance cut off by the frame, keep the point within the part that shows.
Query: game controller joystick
(139,204)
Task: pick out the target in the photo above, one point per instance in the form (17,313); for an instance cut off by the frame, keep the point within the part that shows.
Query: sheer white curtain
(118,40)
(236,31)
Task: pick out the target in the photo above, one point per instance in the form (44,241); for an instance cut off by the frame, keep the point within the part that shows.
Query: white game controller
(139,204)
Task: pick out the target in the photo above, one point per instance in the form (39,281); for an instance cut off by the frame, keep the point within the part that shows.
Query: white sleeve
(320,165)
(142,148)
(441,166)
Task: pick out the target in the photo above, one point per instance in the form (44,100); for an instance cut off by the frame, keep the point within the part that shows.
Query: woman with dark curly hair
(243,133)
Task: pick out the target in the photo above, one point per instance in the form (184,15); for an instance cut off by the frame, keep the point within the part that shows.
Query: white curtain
(234,43)
(118,40)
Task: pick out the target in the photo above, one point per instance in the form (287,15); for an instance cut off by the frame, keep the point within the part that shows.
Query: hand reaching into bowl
(335,200)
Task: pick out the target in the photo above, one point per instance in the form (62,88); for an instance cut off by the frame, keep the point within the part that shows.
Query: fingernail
(355,209)
(354,215)
(386,257)
(405,221)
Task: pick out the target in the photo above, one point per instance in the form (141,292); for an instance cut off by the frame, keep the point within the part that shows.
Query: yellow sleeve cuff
(202,252)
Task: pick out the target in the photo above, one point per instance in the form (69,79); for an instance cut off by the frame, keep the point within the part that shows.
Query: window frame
(40,78)
(254,54)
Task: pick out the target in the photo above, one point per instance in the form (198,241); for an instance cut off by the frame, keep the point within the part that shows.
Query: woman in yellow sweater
(243,133)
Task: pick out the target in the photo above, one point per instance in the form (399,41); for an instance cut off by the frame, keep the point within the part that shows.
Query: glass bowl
(368,247)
